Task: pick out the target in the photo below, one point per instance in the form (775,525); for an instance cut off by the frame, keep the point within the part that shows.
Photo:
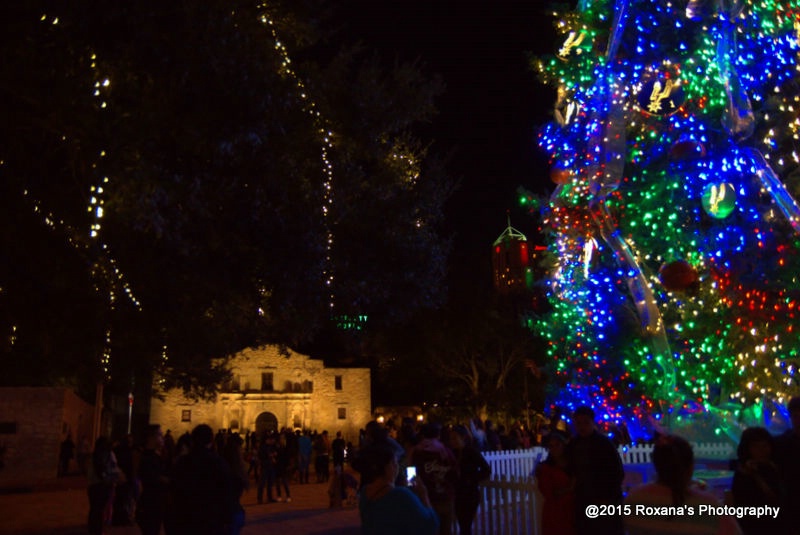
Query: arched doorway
(266,421)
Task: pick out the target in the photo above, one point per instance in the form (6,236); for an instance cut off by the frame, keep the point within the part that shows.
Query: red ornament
(687,149)
(559,175)
(678,276)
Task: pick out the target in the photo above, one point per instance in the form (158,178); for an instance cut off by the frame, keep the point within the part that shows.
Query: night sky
(488,115)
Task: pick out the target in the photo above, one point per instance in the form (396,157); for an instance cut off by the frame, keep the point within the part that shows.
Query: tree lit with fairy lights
(673,227)
(183,181)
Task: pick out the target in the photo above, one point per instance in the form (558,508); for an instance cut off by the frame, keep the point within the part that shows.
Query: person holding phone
(386,509)
(438,469)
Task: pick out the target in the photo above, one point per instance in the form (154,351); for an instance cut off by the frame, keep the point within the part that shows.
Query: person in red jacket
(557,487)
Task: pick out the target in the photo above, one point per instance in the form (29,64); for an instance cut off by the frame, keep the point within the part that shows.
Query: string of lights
(326,148)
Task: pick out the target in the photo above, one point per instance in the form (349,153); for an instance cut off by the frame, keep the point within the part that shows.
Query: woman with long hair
(757,481)
(674,495)
(472,470)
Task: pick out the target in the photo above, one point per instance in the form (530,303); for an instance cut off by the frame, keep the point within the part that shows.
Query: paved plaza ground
(60,508)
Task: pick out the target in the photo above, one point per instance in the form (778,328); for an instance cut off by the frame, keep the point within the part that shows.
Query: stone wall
(353,398)
(33,423)
(293,390)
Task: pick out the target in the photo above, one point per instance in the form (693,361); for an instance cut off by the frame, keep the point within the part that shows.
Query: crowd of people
(583,474)
(193,485)
(424,479)
(419,480)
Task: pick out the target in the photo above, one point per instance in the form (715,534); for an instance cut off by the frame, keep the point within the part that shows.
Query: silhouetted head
(755,443)
(583,420)
(153,438)
(462,434)
(202,436)
(373,462)
(673,459)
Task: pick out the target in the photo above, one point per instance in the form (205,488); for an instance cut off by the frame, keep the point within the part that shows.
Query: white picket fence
(516,464)
(642,453)
(511,502)
(521,463)
(509,506)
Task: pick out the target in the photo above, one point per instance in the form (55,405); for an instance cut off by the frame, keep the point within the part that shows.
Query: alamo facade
(271,389)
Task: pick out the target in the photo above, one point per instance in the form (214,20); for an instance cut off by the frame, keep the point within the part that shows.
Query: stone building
(271,389)
(33,423)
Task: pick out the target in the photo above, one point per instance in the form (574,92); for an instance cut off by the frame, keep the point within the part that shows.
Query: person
(168,450)
(472,470)
(267,456)
(322,461)
(200,489)
(65,454)
(673,460)
(478,434)
(375,433)
(337,452)
(557,487)
(386,509)
(293,447)
(787,457)
(757,481)
(252,462)
(504,436)
(438,469)
(152,476)
(492,437)
(283,462)
(125,492)
(219,440)
(232,453)
(598,474)
(304,449)
(182,446)
(103,475)
(407,438)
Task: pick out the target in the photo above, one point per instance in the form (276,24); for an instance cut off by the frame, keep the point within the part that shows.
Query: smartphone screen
(411,474)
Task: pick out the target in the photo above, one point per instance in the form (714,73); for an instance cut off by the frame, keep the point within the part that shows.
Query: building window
(266,382)
(342,413)
(186,415)
(337,379)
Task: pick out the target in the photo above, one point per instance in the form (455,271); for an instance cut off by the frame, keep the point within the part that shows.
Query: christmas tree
(673,229)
